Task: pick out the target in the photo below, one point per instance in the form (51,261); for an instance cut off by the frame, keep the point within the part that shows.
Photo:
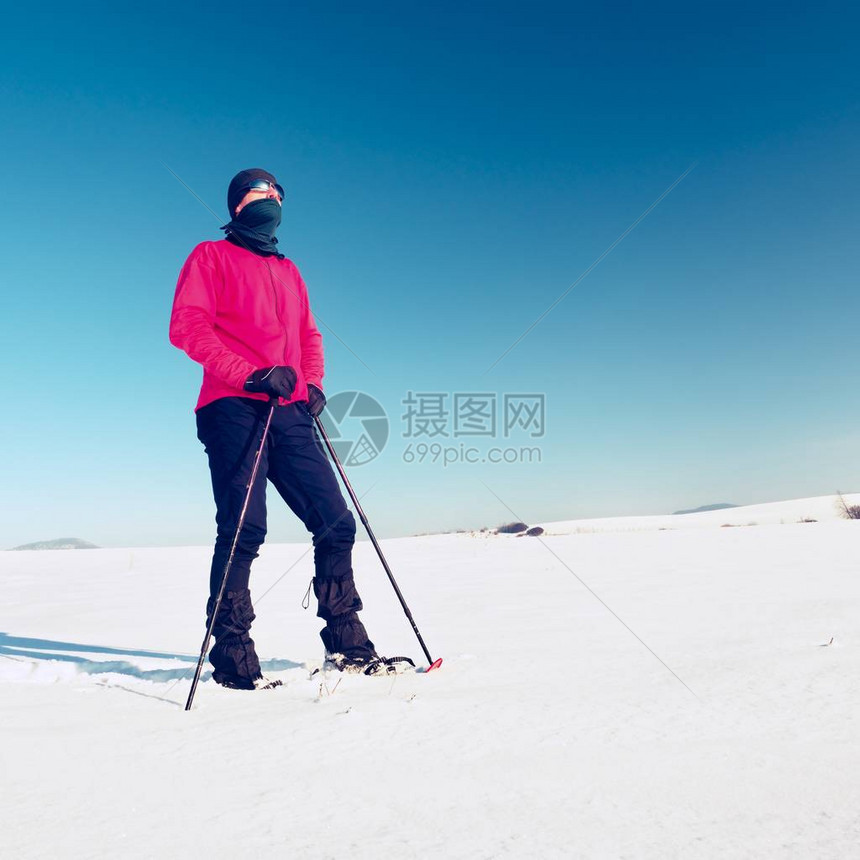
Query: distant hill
(59,543)
(720,506)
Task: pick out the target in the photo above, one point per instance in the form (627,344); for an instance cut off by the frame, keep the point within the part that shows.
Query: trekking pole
(434,664)
(273,402)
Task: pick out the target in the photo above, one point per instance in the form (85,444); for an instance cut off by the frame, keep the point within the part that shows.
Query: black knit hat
(239,186)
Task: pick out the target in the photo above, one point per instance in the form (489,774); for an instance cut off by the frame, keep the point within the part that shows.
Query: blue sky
(449,175)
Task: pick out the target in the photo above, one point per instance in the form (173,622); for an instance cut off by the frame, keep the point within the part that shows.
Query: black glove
(316,400)
(277,381)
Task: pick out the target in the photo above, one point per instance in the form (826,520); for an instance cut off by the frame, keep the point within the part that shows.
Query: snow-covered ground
(818,508)
(552,730)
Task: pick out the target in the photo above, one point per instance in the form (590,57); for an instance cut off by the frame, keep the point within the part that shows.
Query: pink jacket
(235,312)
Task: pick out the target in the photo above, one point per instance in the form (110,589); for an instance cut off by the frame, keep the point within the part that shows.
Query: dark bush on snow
(511,528)
(848,512)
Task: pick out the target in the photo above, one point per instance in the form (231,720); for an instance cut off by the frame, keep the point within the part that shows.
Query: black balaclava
(255,226)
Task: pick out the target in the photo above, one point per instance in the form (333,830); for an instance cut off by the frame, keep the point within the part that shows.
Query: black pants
(295,463)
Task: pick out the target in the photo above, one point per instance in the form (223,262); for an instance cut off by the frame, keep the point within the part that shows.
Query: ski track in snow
(549,732)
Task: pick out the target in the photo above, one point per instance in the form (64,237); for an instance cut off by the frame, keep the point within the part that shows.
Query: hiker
(241,310)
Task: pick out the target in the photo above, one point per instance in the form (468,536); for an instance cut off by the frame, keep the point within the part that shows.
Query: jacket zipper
(277,311)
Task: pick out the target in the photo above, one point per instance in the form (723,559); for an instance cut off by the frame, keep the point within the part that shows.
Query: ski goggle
(265,186)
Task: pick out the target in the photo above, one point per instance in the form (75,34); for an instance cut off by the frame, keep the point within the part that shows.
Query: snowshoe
(235,682)
(372,665)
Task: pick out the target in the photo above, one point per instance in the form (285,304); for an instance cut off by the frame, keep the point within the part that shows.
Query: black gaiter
(254,227)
